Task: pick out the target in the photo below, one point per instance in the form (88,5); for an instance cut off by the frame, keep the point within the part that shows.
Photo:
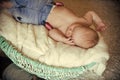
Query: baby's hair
(1,1)
(96,36)
(89,33)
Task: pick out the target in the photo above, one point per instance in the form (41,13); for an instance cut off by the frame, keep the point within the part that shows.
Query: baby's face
(85,38)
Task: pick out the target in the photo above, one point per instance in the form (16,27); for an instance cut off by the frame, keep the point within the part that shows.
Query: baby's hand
(101,27)
(69,41)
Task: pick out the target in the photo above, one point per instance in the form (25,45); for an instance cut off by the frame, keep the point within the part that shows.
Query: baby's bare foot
(101,27)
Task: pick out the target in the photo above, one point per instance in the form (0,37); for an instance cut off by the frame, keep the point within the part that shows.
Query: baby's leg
(93,17)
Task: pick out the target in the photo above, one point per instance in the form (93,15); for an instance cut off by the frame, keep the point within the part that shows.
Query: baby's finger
(72,44)
(69,38)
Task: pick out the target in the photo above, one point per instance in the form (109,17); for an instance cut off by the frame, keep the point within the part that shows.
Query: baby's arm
(59,36)
(91,17)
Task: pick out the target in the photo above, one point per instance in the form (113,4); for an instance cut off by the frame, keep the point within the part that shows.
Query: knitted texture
(40,69)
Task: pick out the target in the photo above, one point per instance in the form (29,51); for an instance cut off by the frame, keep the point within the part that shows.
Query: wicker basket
(40,69)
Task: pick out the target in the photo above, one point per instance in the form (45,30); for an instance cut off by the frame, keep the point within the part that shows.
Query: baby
(62,23)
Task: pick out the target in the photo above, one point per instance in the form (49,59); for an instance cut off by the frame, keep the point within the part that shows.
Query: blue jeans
(31,11)
(12,72)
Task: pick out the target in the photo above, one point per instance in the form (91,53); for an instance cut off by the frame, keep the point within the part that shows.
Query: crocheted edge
(40,69)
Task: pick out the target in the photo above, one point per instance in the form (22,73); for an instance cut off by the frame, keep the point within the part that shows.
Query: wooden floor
(109,11)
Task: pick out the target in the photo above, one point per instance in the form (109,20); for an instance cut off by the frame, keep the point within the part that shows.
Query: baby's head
(83,36)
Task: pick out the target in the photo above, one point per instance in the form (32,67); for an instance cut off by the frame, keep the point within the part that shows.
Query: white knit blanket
(33,41)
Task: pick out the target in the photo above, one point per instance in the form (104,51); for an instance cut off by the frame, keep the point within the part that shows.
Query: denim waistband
(43,14)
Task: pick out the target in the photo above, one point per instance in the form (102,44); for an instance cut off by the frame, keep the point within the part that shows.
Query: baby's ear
(69,32)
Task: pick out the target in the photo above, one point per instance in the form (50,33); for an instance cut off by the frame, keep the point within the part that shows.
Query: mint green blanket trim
(41,70)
